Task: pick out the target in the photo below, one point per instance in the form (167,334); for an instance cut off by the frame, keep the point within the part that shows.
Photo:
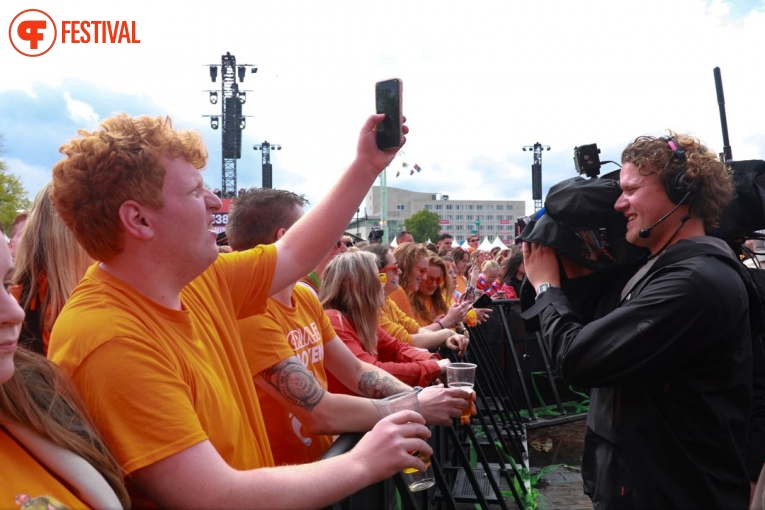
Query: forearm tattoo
(371,385)
(295,383)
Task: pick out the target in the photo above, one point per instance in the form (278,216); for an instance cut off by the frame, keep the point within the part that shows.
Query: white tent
(465,245)
(485,244)
(393,243)
(498,243)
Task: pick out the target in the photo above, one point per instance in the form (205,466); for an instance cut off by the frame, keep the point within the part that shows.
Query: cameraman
(669,355)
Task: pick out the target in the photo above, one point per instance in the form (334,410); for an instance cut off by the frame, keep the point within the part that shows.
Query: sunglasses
(432,279)
(389,268)
(472,240)
(422,270)
(339,243)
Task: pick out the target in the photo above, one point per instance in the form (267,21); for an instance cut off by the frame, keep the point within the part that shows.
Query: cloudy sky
(481,79)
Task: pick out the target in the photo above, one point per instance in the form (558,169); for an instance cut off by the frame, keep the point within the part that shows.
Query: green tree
(423,225)
(13,196)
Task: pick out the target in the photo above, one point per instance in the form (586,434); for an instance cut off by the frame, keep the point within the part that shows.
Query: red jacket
(412,366)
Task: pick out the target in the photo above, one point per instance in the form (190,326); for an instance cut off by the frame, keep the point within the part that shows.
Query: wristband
(440,324)
(417,388)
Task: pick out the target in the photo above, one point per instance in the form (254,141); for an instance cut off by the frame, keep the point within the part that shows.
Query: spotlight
(240,71)
(214,97)
(242,97)
(214,122)
(242,122)
(213,73)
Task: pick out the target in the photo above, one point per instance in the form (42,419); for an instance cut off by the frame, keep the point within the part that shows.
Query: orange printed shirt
(157,380)
(26,483)
(269,338)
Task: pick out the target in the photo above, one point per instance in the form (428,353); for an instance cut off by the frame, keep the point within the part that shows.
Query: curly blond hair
(118,162)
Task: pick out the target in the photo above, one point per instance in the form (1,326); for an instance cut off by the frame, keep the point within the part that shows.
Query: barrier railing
(486,462)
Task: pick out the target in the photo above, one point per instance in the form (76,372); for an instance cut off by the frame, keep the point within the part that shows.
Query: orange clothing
(31,335)
(272,337)
(461,284)
(402,300)
(396,323)
(157,380)
(25,480)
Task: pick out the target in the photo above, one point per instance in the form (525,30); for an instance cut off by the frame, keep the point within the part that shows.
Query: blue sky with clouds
(481,80)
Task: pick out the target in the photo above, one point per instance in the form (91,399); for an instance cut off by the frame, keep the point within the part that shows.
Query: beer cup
(462,375)
(416,480)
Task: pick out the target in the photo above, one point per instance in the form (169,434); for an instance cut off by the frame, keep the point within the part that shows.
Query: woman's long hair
(510,268)
(407,255)
(41,397)
(350,284)
(430,307)
(47,251)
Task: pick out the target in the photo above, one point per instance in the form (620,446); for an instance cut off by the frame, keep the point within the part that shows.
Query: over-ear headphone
(679,186)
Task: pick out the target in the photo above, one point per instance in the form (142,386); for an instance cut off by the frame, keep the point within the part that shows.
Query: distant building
(461,218)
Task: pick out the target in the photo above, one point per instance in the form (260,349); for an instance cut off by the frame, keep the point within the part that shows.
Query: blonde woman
(352,294)
(49,264)
(404,328)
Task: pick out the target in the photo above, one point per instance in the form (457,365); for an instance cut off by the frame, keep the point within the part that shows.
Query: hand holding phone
(388,96)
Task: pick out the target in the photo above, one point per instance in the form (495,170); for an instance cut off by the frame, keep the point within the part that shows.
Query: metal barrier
(481,462)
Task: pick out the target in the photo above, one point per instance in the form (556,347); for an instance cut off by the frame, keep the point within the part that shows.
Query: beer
(419,483)
(467,387)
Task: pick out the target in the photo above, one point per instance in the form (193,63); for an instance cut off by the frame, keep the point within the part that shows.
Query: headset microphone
(646,232)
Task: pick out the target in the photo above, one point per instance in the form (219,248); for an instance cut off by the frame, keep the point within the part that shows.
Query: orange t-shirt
(156,380)
(399,297)
(25,482)
(396,323)
(274,336)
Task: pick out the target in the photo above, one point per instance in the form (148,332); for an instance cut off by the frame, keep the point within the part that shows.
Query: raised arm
(308,240)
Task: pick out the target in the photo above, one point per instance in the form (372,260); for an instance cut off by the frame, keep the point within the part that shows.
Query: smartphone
(388,99)
(482,302)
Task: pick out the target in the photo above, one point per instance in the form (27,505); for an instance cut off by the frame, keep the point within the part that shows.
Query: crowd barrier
(486,462)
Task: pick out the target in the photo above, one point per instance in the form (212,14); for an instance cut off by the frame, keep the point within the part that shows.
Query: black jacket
(670,369)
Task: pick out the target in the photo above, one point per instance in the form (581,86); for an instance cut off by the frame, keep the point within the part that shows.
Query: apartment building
(461,218)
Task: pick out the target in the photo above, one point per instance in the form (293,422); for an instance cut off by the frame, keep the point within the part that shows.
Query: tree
(13,196)
(423,225)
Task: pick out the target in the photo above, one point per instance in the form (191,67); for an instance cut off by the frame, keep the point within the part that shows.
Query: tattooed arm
(366,379)
(290,383)
(437,404)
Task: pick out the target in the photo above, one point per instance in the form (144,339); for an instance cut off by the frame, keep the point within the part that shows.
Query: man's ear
(280,233)
(134,220)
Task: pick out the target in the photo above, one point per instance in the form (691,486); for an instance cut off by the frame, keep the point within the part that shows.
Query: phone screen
(388,98)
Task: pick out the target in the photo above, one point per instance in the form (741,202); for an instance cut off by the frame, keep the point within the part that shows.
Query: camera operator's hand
(541,264)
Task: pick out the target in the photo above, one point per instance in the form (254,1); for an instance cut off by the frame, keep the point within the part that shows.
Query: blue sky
(481,80)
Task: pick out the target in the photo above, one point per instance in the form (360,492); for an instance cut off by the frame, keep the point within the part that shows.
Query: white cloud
(80,112)
(481,79)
